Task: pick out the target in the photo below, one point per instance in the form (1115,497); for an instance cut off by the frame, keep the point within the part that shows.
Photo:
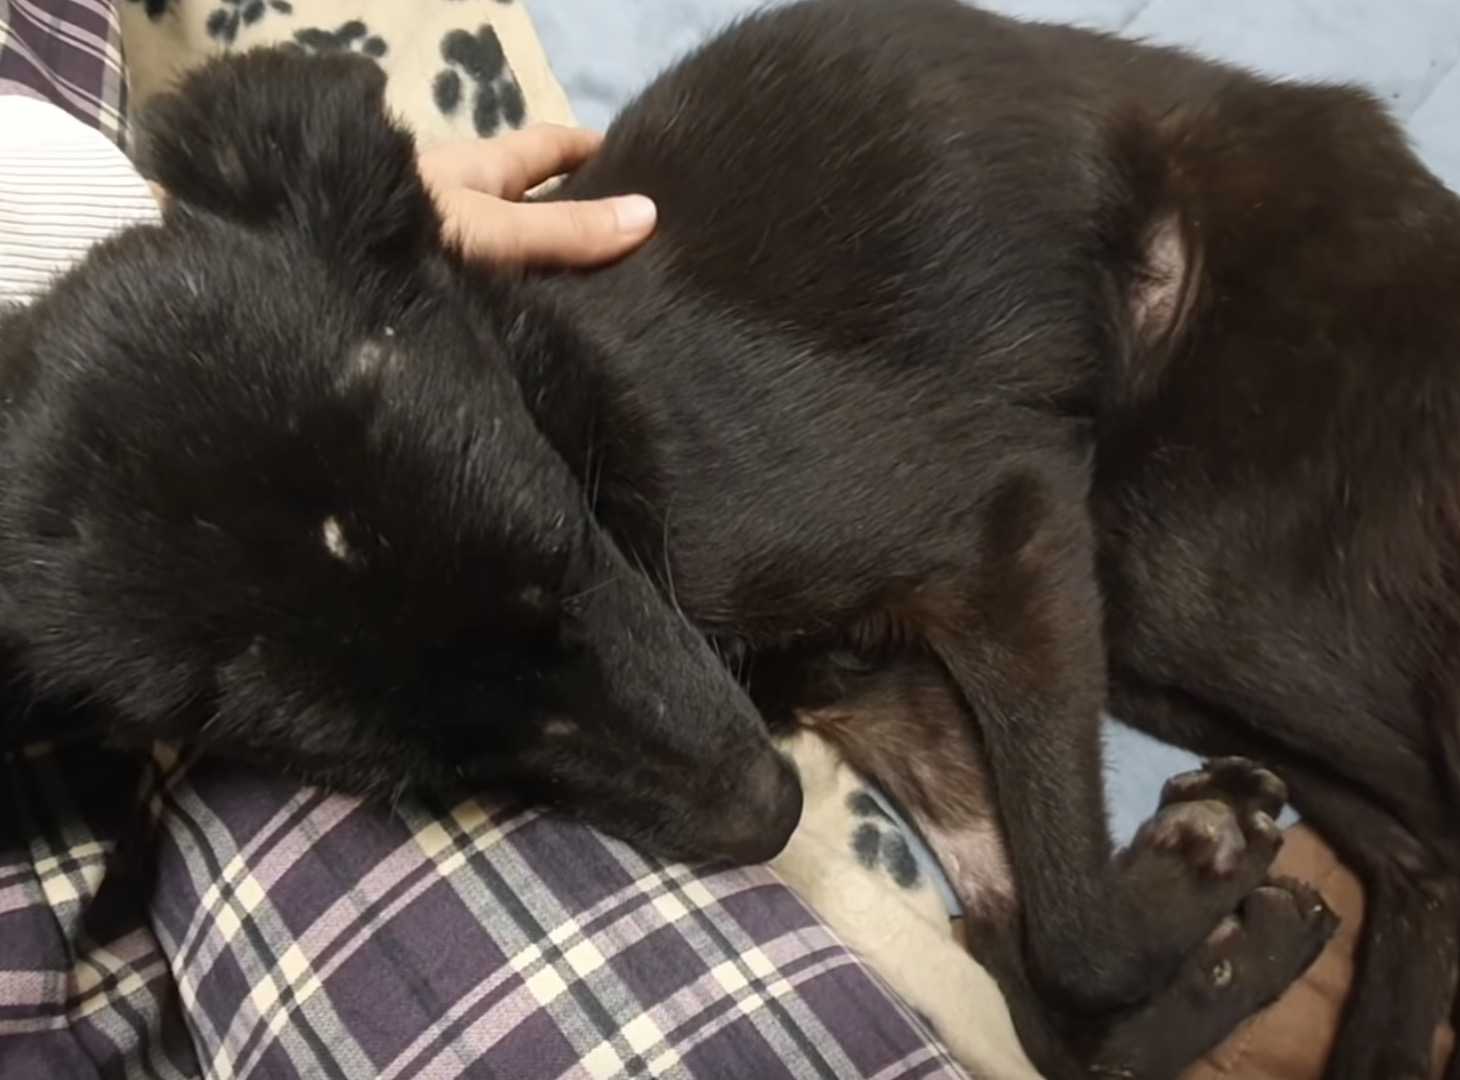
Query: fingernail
(634,213)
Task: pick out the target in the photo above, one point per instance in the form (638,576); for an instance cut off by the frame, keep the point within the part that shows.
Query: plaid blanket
(174,919)
(161,917)
(68,52)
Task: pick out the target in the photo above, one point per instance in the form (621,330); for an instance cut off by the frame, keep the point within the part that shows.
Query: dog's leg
(1022,640)
(905,727)
(1408,950)
(1246,962)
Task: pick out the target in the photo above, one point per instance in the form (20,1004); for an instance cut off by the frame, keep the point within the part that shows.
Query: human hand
(477,185)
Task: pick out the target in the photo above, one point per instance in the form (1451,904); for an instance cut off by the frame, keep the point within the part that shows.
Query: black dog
(1099,373)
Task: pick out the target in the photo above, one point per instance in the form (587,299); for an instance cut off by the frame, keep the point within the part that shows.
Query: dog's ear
(277,137)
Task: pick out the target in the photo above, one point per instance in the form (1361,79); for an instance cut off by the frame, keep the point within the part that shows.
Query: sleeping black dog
(1090,374)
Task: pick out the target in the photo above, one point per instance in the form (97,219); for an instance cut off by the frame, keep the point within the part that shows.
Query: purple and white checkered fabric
(163,920)
(68,52)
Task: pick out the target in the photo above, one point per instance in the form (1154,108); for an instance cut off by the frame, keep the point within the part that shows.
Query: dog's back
(844,287)
(1017,244)
(1238,294)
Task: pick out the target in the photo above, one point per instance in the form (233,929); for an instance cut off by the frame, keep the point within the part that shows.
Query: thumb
(552,233)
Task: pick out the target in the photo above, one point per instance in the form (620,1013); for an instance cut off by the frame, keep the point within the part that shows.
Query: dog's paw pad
(1283,914)
(1278,931)
(1242,783)
(1209,837)
(1203,852)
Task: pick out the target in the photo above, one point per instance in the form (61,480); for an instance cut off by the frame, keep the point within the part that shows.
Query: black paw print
(155,9)
(480,56)
(223,23)
(353,36)
(879,842)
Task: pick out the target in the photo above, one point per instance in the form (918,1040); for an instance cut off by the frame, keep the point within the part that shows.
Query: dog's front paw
(1221,819)
(1208,846)
(1244,964)
(1217,823)
(1252,956)
(1242,784)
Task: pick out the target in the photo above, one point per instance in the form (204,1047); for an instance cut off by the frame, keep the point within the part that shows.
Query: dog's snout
(766,810)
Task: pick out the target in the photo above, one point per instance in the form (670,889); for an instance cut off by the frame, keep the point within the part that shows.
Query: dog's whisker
(669,577)
(591,589)
(397,795)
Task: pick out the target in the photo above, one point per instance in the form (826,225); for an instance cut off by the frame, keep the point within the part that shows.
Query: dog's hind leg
(1021,637)
(1246,962)
(1252,956)
(904,725)
(1408,950)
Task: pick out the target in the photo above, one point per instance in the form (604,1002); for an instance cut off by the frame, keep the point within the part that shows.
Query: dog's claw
(1234,779)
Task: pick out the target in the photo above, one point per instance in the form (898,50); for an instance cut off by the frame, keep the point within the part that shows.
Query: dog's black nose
(765,812)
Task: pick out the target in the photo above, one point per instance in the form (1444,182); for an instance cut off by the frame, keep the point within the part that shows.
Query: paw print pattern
(155,9)
(353,36)
(479,56)
(224,23)
(878,842)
